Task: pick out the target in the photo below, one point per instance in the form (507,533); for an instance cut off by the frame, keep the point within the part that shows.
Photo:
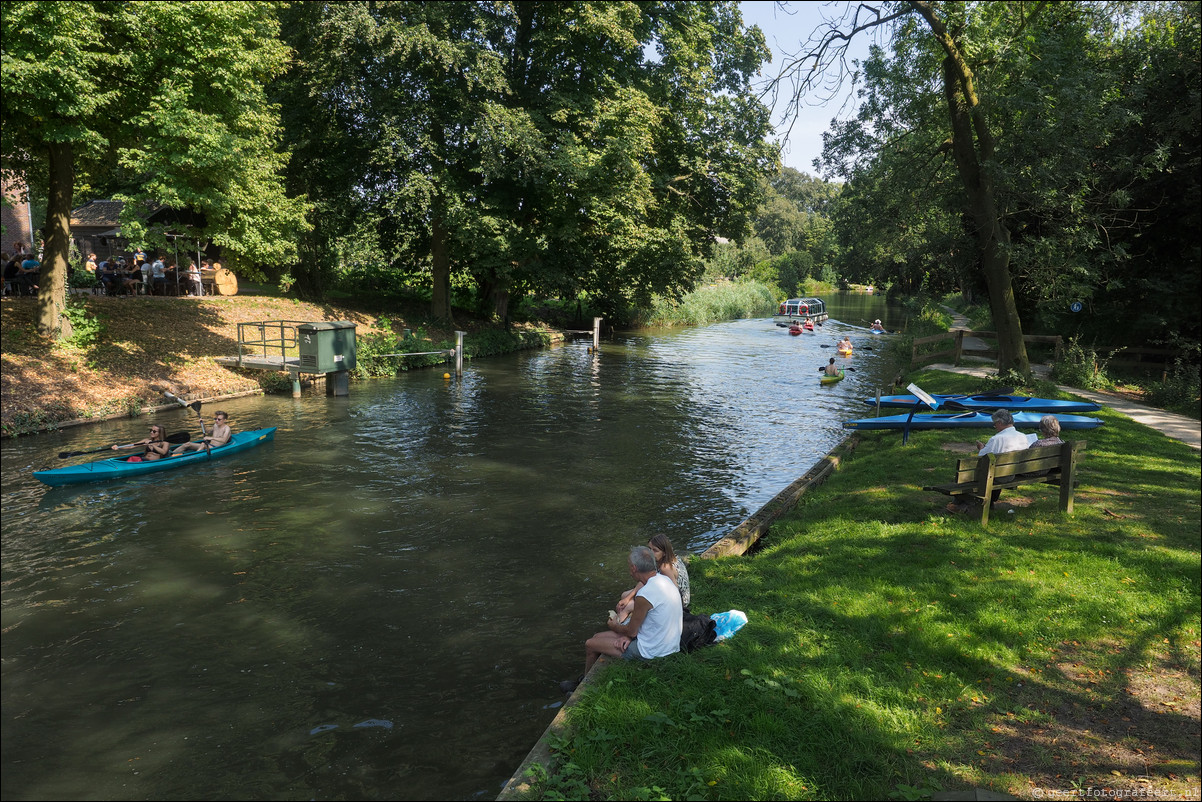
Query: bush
(729,300)
(1179,390)
(1082,367)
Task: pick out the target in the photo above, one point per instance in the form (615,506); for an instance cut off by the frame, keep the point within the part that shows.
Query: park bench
(979,477)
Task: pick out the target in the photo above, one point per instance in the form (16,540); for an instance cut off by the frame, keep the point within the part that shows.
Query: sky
(787,27)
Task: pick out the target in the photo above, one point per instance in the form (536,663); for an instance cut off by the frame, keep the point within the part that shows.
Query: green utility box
(326,347)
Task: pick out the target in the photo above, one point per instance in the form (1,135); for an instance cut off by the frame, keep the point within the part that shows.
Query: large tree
(551,147)
(169,92)
(942,48)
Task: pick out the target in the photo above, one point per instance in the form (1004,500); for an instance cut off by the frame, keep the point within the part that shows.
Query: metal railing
(283,338)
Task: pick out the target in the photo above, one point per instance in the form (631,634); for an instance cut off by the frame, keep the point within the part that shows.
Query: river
(379,604)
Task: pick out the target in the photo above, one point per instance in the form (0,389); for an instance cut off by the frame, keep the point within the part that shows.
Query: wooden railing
(958,351)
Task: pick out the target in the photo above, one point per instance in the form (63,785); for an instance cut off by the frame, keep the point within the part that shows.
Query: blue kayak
(967,420)
(121,468)
(1015,403)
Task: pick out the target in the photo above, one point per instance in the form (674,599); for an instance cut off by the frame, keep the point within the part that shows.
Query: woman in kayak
(156,445)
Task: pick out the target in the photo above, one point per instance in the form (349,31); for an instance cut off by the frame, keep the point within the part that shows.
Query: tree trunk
(440,294)
(972,149)
(52,279)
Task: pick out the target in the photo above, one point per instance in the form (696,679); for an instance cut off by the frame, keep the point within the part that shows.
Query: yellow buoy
(446,375)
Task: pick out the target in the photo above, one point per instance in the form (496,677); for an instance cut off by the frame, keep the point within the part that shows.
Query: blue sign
(1076,306)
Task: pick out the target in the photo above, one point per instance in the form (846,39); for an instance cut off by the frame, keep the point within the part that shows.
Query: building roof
(105,213)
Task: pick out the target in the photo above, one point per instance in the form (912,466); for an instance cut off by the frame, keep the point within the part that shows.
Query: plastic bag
(728,623)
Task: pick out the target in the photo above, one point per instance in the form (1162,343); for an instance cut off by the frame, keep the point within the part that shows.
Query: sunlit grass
(894,649)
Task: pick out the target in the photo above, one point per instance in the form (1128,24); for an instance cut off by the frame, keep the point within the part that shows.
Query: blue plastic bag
(728,623)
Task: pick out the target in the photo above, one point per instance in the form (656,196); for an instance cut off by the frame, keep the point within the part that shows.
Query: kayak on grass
(122,468)
(967,420)
(1015,403)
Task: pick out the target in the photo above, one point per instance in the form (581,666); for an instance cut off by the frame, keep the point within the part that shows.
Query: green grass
(893,650)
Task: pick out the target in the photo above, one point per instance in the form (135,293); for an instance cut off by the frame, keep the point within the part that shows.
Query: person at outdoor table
(90,265)
(158,277)
(131,276)
(28,274)
(156,445)
(219,436)
(192,280)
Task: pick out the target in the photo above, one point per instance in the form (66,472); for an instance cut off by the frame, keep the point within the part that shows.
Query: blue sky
(786,30)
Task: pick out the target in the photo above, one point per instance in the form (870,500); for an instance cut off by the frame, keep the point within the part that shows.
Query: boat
(795,329)
(801,310)
(825,379)
(122,468)
(967,420)
(1016,403)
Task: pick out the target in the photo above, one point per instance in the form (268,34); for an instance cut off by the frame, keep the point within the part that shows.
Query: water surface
(380,603)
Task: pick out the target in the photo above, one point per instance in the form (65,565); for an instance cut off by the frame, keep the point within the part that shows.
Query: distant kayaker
(220,435)
(876,326)
(156,446)
(844,344)
(831,368)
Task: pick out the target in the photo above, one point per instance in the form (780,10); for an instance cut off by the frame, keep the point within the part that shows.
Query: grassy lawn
(894,649)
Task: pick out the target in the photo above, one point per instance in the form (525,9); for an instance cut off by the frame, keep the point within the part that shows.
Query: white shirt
(659,634)
(1008,439)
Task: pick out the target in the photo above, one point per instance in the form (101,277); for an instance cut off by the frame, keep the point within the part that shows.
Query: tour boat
(122,468)
(1017,403)
(800,310)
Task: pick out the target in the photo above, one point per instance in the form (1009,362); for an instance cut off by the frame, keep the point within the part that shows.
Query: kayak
(985,401)
(795,330)
(824,379)
(121,468)
(967,420)
(841,352)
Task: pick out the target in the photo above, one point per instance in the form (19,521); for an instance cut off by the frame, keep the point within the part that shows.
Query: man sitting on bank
(654,626)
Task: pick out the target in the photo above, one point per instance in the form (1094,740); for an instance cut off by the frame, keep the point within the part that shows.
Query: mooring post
(459,352)
(596,333)
(296,388)
(878,402)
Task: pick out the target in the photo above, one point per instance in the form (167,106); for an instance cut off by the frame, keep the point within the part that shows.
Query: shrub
(1079,366)
(1179,390)
(723,301)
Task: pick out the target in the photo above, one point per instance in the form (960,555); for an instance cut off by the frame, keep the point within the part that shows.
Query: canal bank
(742,538)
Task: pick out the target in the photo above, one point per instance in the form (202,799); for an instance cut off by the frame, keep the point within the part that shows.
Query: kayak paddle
(175,439)
(195,405)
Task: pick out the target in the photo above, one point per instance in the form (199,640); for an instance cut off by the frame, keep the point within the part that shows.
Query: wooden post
(296,387)
(596,333)
(959,347)
(459,352)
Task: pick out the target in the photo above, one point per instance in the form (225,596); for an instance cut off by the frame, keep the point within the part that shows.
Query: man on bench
(1007,439)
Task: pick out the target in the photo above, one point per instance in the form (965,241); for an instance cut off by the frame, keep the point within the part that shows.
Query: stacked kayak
(1014,403)
(120,468)
(967,420)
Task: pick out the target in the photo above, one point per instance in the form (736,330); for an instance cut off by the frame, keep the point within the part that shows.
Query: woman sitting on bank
(670,566)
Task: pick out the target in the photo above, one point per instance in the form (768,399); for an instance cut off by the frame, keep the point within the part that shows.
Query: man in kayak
(877,327)
(220,435)
(655,624)
(831,368)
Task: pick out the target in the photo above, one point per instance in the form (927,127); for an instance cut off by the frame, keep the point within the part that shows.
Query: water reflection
(379,603)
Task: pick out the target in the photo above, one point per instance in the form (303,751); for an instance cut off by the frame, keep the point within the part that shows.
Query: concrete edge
(741,538)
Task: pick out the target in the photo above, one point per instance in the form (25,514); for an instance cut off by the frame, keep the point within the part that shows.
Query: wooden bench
(980,477)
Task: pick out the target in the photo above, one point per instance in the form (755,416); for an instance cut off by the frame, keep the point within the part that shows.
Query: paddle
(174,439)
(195,405)
(862,347)
(823,367)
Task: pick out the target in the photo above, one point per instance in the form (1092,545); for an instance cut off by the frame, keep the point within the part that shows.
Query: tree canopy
(539,147)
(161,100)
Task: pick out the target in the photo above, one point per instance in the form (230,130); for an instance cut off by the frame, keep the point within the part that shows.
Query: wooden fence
(958,351)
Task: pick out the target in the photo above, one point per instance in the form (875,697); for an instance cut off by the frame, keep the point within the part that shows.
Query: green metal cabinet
(326,347)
